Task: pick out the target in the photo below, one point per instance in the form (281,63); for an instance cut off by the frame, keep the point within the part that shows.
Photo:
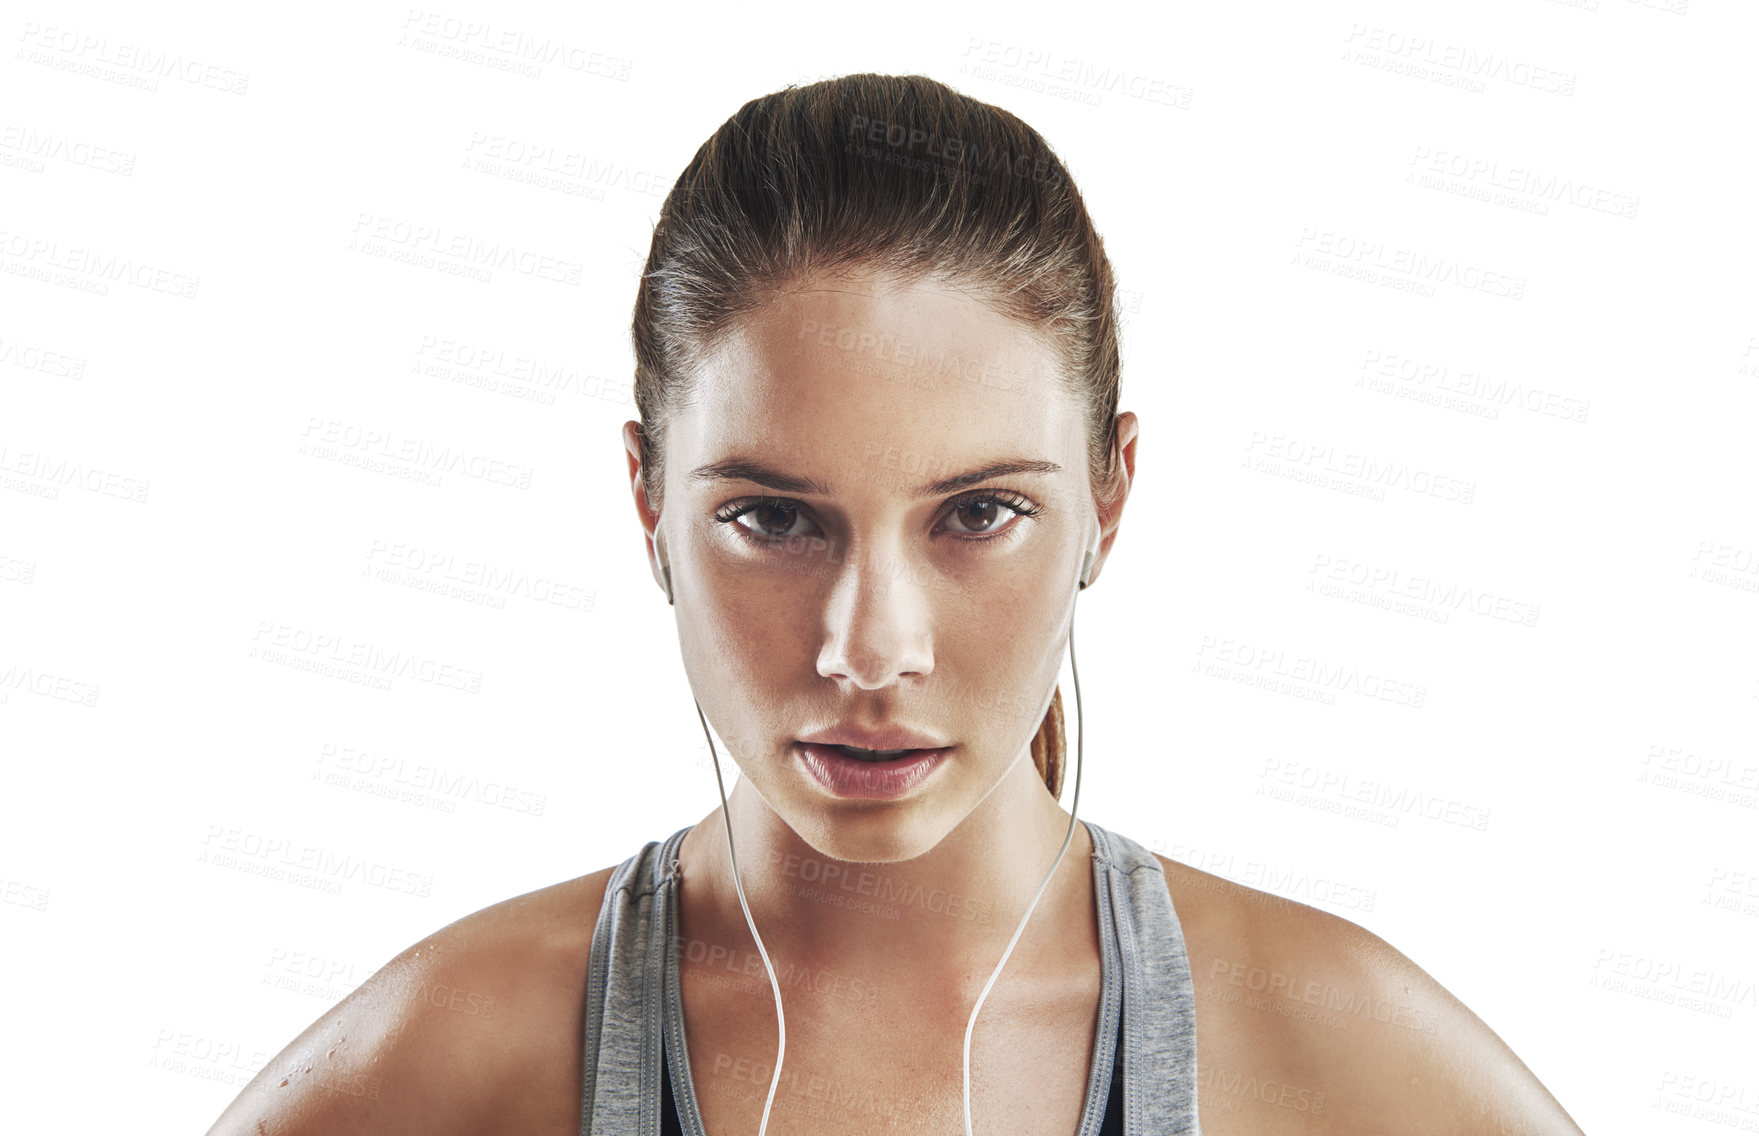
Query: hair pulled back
(895,174)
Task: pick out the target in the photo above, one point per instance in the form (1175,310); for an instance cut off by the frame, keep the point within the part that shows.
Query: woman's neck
(940,920)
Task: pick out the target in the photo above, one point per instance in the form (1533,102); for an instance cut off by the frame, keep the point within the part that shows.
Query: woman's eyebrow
(746,469)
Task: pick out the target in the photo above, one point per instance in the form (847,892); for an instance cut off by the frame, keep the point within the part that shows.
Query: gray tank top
(633,1004)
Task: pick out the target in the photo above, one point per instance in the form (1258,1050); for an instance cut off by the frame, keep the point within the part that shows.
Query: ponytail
(1050,745)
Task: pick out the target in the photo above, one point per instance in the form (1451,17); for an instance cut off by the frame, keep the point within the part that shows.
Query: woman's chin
(871,836)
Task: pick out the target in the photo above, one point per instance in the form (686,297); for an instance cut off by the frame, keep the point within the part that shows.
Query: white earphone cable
(1074,804)
(775,987)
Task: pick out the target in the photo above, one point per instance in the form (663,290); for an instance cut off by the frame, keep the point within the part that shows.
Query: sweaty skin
(878,607)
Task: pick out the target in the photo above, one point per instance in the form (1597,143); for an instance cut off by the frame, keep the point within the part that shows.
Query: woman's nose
(879,622)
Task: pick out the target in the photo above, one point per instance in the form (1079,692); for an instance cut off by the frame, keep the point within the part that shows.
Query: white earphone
(1087,558)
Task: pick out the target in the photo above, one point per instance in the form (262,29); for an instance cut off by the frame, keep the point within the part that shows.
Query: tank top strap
(1160,1002)
(1143,953)
(625,996)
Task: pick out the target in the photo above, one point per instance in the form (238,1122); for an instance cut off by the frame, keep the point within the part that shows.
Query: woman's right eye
(775,520)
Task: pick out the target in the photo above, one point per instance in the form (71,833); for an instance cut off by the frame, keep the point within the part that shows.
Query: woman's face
(824,581)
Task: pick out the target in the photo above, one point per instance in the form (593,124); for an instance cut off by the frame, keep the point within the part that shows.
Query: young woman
(879,456)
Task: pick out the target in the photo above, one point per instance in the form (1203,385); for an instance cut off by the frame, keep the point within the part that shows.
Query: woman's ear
(634,453)
(1110,498)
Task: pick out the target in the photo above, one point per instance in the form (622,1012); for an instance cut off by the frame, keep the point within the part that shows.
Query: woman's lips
(856,778)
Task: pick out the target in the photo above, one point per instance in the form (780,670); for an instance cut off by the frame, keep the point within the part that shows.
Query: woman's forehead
(890,388)
(907,351)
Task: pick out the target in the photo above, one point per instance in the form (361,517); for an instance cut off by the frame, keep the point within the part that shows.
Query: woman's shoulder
(464,1031)
(1336,1026)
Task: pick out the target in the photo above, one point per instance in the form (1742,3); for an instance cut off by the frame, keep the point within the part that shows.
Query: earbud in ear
(665,567)
(1087,559)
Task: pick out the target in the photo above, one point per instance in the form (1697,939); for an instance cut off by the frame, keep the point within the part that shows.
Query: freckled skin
(1305,1022)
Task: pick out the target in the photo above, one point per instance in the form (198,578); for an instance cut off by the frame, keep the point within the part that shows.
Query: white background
(188,310)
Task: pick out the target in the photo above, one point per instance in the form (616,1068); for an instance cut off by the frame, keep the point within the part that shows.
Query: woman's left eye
(985,512)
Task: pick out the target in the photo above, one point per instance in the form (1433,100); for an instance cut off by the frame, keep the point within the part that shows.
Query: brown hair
(898,174)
